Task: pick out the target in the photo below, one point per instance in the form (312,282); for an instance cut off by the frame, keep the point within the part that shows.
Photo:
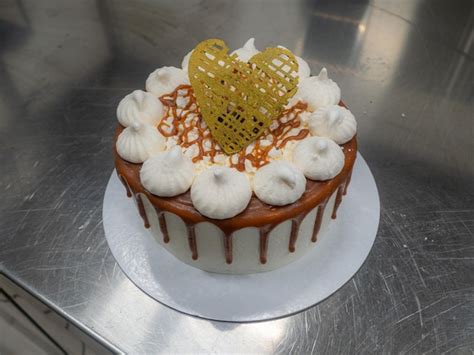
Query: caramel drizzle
(181,127)
(176,123)
(259,156)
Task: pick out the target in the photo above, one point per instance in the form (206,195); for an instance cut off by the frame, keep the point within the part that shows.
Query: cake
(236,163)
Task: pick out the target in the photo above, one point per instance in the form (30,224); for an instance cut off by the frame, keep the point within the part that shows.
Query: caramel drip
(317,221)
(141,210)
(348,181)
(228,248)
(264,234)
(295,226)
(340,190)
(192,240)
(163,225)
(125,183)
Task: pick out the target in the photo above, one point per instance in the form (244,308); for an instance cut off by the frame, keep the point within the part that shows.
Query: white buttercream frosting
(220,192)
(318,158)
(138,142)
(247,51)
(318,91)
(303,68)
(334,122)
(168,173)
(279,183)
(164,80)
(139,107)
(185,62)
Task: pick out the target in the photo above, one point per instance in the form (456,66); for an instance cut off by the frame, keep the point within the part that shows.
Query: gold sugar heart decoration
(239,100)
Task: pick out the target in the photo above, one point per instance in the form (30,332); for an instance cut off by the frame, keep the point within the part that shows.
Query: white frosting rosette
(185,62)
(279,183)
(318,158)
(334,122)
(139,107)
(318,91)
(247,51)
(220,192)
(168,173)
(139,142)
(303,68)
(165,80)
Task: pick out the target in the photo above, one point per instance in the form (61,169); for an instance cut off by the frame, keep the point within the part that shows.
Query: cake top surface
(300,140)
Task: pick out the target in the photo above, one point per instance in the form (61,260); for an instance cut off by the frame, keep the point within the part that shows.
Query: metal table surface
(406,71)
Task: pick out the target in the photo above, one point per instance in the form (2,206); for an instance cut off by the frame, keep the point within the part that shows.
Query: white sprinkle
(181,102)
(207,144)
(274,125)
(248,166)
(249,148)
(274,153)
(234,158)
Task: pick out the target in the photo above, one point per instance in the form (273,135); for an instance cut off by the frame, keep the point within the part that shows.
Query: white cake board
(336,257)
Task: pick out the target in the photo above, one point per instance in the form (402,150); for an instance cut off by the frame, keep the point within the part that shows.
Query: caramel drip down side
(125,184)
(338,201)
(141,210)
(295,227)
(192,240)
(163,225)
(317,221)
(348,181)
(263,242)
(228,248)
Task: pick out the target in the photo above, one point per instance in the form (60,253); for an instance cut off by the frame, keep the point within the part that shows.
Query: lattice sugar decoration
(238,100)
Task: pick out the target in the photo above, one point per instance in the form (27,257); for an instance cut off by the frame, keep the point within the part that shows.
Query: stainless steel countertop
(406,71)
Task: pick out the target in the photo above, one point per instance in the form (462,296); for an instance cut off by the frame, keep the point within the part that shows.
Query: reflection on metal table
(406,71)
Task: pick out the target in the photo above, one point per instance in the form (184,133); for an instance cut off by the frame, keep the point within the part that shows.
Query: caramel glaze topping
(257,214)
(182,120)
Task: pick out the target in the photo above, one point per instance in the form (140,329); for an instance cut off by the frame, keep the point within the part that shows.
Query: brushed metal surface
(406,71)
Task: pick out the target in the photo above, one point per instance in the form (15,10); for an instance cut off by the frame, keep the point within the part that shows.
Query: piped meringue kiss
(138,142)
(139,107)
(185,62)
(318,91)
(164,80)
(279,183)
(168,173)
(318,158)
(247,51)
(303,68)
(220,192)
(334,122)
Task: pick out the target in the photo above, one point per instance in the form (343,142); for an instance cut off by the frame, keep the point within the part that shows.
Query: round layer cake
(295,173)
